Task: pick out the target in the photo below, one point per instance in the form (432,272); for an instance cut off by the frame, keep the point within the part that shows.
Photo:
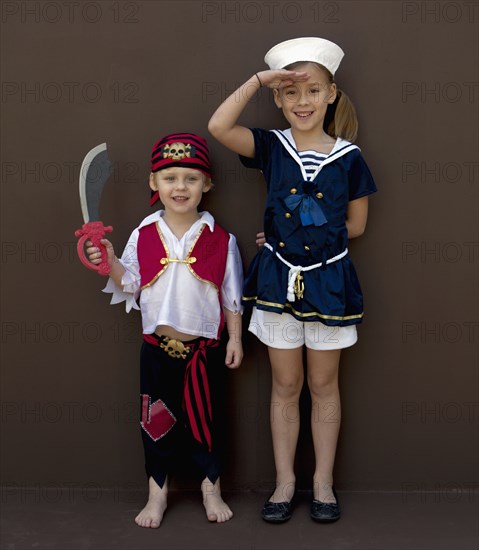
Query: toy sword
(95,171)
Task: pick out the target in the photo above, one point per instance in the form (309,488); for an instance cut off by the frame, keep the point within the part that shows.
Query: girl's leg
(287,373)
(323,366)
(152,513)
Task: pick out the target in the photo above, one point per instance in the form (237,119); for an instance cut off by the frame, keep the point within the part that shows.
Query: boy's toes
(142,522)
(147,522)
(222,518)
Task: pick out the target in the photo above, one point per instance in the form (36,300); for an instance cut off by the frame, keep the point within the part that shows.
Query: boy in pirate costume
(186,271)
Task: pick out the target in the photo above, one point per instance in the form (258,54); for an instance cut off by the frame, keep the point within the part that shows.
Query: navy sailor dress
(305,223)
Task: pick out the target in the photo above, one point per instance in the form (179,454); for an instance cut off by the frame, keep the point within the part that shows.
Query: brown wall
(127,73)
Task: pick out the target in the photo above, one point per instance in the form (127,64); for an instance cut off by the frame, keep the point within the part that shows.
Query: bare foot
(152,513)
(216,508)
(323,491)
(283,493)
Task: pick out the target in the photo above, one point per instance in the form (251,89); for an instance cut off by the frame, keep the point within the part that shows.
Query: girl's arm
(223,124)
(356,217)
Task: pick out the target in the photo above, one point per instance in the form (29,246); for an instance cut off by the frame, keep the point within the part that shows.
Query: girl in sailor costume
(186,272)
(302,284)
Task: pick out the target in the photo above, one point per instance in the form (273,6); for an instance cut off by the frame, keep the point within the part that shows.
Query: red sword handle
(93,231)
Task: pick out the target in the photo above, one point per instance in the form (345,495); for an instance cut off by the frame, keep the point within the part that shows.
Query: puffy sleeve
(262,148)
(232,288)
(361,182)
(129,291)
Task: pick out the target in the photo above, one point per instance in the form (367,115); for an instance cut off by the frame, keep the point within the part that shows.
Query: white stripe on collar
(341,147)
(290,146)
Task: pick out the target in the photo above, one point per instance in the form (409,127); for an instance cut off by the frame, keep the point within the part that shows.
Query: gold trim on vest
(188,261)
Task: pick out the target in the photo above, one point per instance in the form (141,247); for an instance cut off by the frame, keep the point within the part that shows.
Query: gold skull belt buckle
(175,348)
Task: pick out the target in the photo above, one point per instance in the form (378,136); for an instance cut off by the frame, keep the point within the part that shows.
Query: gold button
(319,195)
(287,215)
(293,190)
(306,247)
(281,244)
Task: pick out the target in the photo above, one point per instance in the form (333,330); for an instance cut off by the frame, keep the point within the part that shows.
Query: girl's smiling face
(304,104)
(180,189)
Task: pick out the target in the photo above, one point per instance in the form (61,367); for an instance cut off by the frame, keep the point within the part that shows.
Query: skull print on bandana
(178,151)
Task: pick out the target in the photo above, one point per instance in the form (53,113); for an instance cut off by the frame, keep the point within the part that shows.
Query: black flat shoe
(325,512)
(277,512)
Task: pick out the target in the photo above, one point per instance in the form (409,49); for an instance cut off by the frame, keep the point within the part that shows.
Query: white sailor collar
(341,147)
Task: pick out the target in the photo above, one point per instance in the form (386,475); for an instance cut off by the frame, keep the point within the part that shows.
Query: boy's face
(180,189)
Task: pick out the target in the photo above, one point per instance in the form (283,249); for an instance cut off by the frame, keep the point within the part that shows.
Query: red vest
(206,258)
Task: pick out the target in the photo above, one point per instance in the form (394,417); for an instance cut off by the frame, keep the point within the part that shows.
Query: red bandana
(184,150)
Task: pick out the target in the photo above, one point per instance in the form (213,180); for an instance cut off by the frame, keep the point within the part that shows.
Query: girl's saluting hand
(281,78)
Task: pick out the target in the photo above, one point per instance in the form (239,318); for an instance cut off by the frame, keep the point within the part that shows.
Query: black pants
(171,441)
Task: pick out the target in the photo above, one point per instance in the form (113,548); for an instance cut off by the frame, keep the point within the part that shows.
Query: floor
(86,519)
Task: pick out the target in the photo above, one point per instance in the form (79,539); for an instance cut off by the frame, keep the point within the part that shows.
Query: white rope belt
(294,277)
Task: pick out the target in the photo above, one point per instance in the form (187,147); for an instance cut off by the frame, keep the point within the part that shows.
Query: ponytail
(341,120)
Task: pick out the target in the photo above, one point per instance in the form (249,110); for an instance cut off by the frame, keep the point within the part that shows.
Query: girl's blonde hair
(340,119)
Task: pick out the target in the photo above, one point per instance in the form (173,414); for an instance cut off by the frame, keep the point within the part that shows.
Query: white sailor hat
(318,50)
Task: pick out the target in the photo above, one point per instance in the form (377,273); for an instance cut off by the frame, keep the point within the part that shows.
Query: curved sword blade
(94,173)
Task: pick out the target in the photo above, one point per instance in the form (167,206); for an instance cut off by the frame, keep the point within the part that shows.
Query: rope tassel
(295,283)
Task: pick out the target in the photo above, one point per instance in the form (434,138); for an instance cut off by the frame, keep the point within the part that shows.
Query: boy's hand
(260,239)
(94,254)
(234,354)
(281,78)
